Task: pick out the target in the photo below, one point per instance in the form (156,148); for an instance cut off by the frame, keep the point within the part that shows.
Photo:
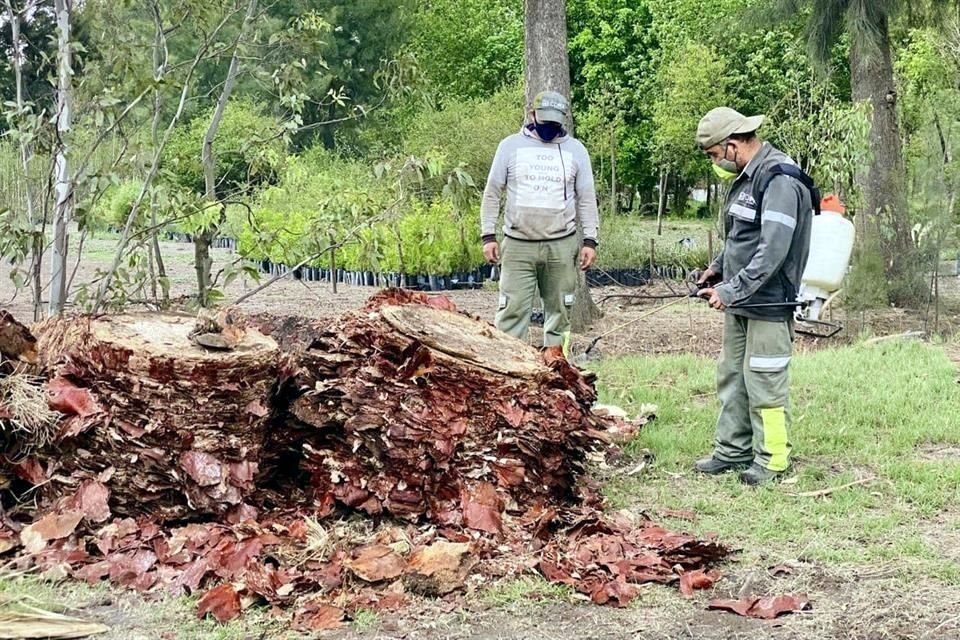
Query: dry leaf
(52,526)
(222,602)
(780,570)
(439,568)
(697,579)
(375,563)
(66,397)
(92,499)
(765,608)
(318,617)
(481,508)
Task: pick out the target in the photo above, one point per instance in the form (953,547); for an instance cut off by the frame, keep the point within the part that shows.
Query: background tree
(691,84)
(885,247)
(548,69)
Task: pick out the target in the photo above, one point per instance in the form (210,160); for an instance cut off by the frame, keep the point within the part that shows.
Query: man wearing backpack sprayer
(768,216)
(549,185)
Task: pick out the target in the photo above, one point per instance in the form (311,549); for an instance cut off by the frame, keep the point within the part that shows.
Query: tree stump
(410,408)
(173,429)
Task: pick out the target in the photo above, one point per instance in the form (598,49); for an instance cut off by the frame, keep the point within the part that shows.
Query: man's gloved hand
(491,252)
(706,277)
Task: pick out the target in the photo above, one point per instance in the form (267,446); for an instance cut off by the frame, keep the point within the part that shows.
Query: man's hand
(588,255)
(712,298)
(491,252)
(707,276)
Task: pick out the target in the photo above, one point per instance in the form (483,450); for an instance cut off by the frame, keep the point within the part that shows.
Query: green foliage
(432,238)
(116,203)
(319,197)
(248,150)
(613,69)
(469,48)
(326,200)
(830,139)
(466,131)
(625,242)
(691,83)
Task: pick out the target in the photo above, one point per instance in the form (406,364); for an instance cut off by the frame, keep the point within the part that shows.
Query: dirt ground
(854,603)
(687,327)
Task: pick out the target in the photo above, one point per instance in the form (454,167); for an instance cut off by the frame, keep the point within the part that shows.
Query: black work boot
(757,475)
(714,467)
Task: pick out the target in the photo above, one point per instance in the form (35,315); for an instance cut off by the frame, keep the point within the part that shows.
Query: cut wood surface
(472,341)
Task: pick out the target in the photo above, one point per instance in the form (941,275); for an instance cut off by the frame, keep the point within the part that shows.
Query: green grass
(625,242)
(366,620)
(858,411)
(524,592)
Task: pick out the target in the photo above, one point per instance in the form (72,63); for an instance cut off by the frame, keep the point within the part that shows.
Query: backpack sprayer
(831,246)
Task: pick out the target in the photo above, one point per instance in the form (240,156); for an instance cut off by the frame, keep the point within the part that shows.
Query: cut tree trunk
(173,429)
(412,409)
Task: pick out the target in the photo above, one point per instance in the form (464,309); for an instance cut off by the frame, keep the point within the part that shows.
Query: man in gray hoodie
(549,190)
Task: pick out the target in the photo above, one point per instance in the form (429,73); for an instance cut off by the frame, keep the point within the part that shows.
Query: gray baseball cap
(551,106)
(721,123)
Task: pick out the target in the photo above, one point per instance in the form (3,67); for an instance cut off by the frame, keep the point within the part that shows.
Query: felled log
(413,409)
(174,429)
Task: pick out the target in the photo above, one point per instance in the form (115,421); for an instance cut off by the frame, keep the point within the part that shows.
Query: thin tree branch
(135,209)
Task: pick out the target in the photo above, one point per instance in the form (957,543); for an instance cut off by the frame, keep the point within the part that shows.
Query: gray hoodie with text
(549,186)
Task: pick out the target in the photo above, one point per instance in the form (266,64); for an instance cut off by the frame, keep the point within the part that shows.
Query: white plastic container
(831,246)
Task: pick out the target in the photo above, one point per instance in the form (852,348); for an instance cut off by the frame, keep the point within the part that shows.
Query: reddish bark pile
(173,429)
(606,558)
(405,408)
(416,410)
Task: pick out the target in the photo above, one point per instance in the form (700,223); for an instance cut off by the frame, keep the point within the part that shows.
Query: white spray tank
(831,246)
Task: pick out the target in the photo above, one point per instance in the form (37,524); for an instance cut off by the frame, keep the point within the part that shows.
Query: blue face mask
(548,130)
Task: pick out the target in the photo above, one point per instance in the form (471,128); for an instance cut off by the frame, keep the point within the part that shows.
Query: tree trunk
(884,201)
(679,193)
(202,241)
(662,202)
(160,66)
(709,195)
(548,69)
(63,211)
(614,194)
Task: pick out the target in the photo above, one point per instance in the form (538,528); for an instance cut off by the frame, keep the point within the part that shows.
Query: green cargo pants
(753,388)
(550,265)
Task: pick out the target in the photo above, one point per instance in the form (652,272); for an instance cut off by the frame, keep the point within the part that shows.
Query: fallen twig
(830,490)
(34,622)
(906,336)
